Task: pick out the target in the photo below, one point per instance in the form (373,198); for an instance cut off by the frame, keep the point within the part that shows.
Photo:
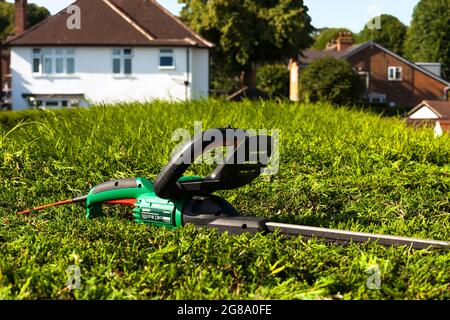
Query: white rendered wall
(94,78)
(200,73)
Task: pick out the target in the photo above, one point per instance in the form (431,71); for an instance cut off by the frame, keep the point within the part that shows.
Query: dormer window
(395,73)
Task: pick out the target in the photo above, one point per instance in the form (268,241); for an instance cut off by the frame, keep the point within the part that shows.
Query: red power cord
(128,202)
(56,204)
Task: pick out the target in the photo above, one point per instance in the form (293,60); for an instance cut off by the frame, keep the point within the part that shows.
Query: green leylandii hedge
(339,168)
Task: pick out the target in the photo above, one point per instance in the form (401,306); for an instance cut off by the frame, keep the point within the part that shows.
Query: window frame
(36,54)
(166,54)
(53,103)
(377,98)
(396,71)
(122,57)
(53,56)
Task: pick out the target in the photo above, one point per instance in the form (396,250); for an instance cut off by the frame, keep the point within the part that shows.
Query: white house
(108,51)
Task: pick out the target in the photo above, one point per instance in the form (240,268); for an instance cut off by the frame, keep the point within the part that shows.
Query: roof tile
(440,106)
(310,55)
(107,22)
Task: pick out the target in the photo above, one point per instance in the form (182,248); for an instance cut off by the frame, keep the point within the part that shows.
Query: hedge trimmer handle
(250,154)
(166,183)
(123,191)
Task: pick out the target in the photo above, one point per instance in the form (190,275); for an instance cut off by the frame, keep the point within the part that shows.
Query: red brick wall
(445,125)
(5,57)
(20,16)
(414,87)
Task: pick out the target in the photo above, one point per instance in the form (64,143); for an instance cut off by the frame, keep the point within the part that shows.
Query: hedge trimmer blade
(346,237)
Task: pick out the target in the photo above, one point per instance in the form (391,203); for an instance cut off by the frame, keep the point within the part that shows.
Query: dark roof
(440,107)
(311,55)
(113,23)
(55,96)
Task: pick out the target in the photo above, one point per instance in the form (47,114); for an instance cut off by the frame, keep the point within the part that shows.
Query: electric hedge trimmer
(174,200)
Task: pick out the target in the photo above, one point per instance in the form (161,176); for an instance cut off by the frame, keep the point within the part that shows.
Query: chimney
(20,22)
(294,73)
(344,41)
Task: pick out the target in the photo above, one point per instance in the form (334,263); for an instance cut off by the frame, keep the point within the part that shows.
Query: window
(37,56)
(395,74)
(53,61)
(166,59)
(59,65)
(48,65)
(122,61)
(43,103)
(70,66)
(377,98)
(116,65)
(51,103)
(127,66)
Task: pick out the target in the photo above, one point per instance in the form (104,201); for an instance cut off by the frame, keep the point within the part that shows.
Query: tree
(328,79)
(6,18)
(428,37)
(35,15)
(326,35)
(391,35)
(274,80)
(249,32)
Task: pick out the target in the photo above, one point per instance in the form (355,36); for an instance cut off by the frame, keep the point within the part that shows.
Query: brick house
(389,78)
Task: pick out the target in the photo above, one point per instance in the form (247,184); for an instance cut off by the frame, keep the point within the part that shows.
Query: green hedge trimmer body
(138,193)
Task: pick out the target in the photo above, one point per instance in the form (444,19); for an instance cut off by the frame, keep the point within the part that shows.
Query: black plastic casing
(240,225)
(214,212)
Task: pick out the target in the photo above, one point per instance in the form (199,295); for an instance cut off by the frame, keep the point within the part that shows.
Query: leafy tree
(328,79)
(35,15)
(250,32)
(325,35)
(428,37)
(6,19)
(274,80)
(391,35)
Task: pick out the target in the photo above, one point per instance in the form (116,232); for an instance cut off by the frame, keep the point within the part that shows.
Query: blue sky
(352,14)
